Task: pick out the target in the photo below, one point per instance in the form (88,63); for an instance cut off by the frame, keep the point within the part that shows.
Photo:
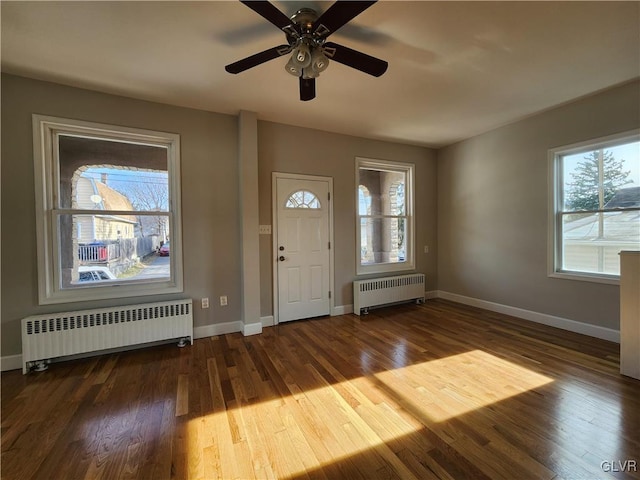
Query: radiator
(45,337)
(382,291)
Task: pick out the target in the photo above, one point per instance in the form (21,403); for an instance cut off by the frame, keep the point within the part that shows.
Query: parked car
(95,274)
(164,250)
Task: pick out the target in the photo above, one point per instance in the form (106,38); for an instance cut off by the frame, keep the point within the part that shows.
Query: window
(595,207)
(107,199)
(303,199)
(384,198)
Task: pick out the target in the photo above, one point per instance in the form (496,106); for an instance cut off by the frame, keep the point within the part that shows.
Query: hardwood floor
(432,391)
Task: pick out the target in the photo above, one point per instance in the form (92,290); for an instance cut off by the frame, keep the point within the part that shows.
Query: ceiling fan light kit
(306,34)
(307,62)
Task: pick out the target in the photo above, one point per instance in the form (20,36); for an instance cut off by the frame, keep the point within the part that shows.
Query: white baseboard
(227,327)
(550,320)
(267,321)
(11,362)
(217,329)
(252,329)
(342,310)
(430,294)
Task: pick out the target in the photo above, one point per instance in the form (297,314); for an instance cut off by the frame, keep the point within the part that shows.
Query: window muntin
(303,199)
(107,198)
(385,222)
(596,207)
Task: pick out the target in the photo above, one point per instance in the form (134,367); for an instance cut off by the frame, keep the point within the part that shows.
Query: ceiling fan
(306,33)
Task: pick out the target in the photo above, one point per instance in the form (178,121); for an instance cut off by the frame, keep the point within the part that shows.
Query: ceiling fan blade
(354,59)
(338,15)
(307,89)
(257,59)
(271,13)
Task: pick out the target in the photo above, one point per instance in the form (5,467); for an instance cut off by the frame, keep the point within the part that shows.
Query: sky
(629,153)
(147,190)
(120,179)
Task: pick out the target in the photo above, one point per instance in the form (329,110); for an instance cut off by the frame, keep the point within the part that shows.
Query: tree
(597,178)
(149,196)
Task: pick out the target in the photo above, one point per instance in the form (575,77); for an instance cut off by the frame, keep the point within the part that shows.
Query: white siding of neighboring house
(586,251)
(107,228)
(84,229)
(84,225)
(92,228)
(84,189)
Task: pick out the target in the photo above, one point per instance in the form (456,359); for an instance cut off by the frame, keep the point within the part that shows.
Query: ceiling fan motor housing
(305,18)
(304,36)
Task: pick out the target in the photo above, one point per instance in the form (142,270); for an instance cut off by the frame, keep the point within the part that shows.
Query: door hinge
(329,245)
(329,196)
(329,293)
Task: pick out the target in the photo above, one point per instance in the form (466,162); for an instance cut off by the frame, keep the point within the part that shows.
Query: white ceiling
(456,69)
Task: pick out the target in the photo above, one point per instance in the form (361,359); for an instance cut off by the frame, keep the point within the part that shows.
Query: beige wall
(210,196)
(290,149)
(211,231)
(481,205)
(492,210)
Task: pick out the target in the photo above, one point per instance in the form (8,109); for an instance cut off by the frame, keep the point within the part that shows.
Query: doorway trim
(274,232)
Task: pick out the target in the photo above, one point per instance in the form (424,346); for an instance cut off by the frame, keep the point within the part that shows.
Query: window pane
(602,178)
(591,242)
(303,199)
(382,240)
(386,191)
(97,174)
(95,249)
(364,201)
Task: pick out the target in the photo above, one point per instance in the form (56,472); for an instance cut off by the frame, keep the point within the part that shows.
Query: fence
(120,255)
(98,253)
(147,245)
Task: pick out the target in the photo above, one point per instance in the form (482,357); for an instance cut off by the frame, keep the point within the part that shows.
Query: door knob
(281,248)
(281,258)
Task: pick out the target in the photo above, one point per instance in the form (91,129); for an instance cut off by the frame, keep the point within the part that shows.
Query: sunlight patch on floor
(286,437)
(455,385)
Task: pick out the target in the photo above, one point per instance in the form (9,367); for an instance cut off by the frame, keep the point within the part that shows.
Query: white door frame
(274,237)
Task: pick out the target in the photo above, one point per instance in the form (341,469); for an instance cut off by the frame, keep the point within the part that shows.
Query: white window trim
(46,184)
(554,229)
(408,169)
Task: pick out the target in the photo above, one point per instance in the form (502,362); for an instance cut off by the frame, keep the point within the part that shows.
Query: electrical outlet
(426,249)
(205,303)
(223,300)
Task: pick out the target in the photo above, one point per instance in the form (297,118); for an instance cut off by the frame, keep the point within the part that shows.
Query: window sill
(385,268)
(110,292)
(587,277)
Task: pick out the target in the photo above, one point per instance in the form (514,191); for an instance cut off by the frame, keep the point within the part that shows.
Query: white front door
(302,248)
